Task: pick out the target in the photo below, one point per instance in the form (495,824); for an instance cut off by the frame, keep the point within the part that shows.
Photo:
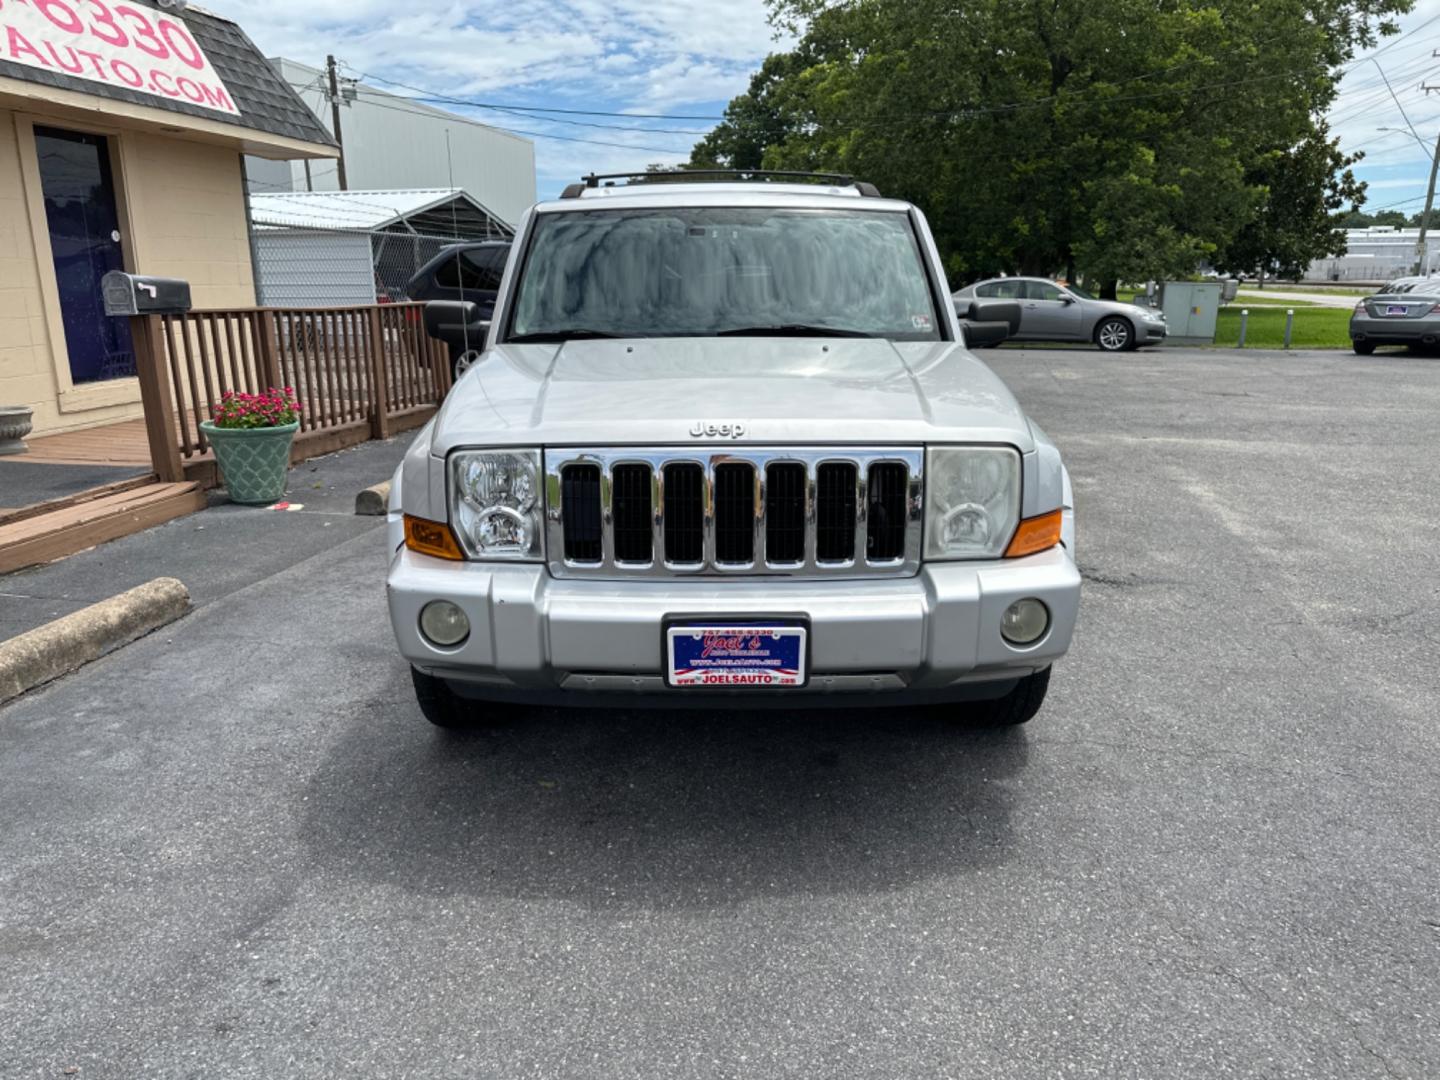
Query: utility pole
(340,141)
(1422,257)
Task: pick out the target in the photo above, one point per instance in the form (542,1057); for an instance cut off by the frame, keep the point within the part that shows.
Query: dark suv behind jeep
(471,272)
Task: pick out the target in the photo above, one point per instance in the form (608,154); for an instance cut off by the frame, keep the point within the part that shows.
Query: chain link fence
(302,266)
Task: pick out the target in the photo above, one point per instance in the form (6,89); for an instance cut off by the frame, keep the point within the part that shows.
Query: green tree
(1301,215)
(1119,138)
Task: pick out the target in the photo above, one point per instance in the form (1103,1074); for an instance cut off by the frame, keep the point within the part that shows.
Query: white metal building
(322,249)
(393,142)
(1376,254)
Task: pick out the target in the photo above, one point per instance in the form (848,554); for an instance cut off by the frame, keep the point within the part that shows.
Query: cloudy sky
(670,57)
(1369,118)
(686,58)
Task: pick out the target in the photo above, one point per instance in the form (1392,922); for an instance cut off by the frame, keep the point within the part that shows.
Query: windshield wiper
(791,330)
(576,334)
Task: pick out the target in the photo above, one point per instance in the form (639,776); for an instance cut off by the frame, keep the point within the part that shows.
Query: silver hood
(781,390)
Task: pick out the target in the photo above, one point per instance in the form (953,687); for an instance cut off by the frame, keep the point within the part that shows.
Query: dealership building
(123,142)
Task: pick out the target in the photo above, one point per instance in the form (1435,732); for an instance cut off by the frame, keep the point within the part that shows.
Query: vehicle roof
(658,195)
(1013,277)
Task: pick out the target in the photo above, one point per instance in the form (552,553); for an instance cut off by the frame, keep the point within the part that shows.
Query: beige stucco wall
(182,212)
(26,377)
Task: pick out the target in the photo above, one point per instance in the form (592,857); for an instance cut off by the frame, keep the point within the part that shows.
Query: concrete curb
(59,647)
(374,500)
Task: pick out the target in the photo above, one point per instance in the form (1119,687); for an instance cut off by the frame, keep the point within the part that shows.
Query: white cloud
(637,56)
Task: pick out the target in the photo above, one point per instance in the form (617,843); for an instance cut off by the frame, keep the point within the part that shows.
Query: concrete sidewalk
(1317,298)
(214,552)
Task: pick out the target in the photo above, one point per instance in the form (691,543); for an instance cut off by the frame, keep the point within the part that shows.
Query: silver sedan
(1051,312)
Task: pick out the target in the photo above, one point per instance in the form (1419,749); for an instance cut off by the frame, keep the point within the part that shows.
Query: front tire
(1115,334)
(441,706)
(1017,707)
(1364,348)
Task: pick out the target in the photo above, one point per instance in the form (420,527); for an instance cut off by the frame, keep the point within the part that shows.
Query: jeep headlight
(972,501)
(495,503)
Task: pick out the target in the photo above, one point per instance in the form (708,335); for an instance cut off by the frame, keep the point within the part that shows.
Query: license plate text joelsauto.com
(121,44)
(743,654)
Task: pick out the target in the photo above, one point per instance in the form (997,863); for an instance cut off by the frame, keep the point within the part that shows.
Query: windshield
(706,271)
(1075,290)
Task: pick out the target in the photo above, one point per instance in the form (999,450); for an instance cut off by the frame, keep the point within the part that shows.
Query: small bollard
(1289,323)
(1244,321)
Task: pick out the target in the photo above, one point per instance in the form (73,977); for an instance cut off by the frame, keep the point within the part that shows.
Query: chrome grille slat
(885,497)
(835,511)
(746,504)
(735,513)
(630,510)
(784,514)
(684,513)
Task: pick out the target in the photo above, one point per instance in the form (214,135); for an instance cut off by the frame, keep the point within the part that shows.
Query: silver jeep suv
(726,445)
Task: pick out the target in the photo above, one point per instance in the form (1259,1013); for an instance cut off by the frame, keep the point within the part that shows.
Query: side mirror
(985,335)
(1066,298)
(446,319)
(1001,311)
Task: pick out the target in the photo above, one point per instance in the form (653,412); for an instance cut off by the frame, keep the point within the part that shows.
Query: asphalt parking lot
(235,849)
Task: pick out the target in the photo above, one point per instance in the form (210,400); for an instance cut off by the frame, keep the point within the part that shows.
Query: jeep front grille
(712,510)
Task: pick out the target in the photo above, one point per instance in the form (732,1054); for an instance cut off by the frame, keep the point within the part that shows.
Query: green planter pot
(253,461)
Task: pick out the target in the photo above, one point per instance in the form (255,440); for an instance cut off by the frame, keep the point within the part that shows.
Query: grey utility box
(1190,309)
(140,294)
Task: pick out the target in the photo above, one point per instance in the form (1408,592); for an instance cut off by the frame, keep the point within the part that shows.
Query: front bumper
(1149,333)
(934,636)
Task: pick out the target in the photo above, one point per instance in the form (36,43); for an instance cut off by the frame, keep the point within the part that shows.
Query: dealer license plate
(1396,309)
(722,655)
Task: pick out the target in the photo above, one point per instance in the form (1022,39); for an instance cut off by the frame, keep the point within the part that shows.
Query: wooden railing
(359,372)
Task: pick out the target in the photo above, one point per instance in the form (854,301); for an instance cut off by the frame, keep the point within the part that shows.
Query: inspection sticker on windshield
(743,654)
(920,322)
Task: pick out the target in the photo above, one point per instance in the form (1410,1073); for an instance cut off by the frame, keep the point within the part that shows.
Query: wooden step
(19,513)
(68,529)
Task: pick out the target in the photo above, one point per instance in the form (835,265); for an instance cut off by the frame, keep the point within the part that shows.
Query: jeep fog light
(443,624)
(1024,621)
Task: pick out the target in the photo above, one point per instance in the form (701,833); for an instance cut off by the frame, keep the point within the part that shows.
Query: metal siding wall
(313,269)
(402,145)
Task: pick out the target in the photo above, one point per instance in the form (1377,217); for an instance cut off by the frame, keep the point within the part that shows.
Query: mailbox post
(143,299)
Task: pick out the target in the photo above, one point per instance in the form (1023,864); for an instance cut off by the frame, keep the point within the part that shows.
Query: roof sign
(116,43)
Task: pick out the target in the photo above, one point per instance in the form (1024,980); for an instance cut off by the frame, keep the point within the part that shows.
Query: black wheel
(1115,334)
(1016,707)
(441,705)
(1364,348)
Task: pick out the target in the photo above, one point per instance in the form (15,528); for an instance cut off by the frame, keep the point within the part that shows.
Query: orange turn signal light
(1035,534)
(431,538)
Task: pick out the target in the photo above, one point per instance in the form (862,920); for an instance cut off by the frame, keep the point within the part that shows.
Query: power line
(432,96)
(520,111)
(532,134)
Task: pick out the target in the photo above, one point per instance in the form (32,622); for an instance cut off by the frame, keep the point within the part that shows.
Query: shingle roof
(266,102)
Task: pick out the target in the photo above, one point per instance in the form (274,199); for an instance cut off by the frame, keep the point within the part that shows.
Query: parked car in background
(1051,312)
(1397,318)
(470,272)
(1411,284)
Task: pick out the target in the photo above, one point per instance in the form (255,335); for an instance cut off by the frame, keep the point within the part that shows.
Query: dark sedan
(1395,319)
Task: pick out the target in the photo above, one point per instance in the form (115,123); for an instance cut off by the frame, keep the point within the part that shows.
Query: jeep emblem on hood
(700,429)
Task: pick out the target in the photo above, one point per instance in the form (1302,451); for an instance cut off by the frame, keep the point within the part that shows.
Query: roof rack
(593,180)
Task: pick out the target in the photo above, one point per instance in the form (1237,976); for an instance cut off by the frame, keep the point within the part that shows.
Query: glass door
(79,195)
